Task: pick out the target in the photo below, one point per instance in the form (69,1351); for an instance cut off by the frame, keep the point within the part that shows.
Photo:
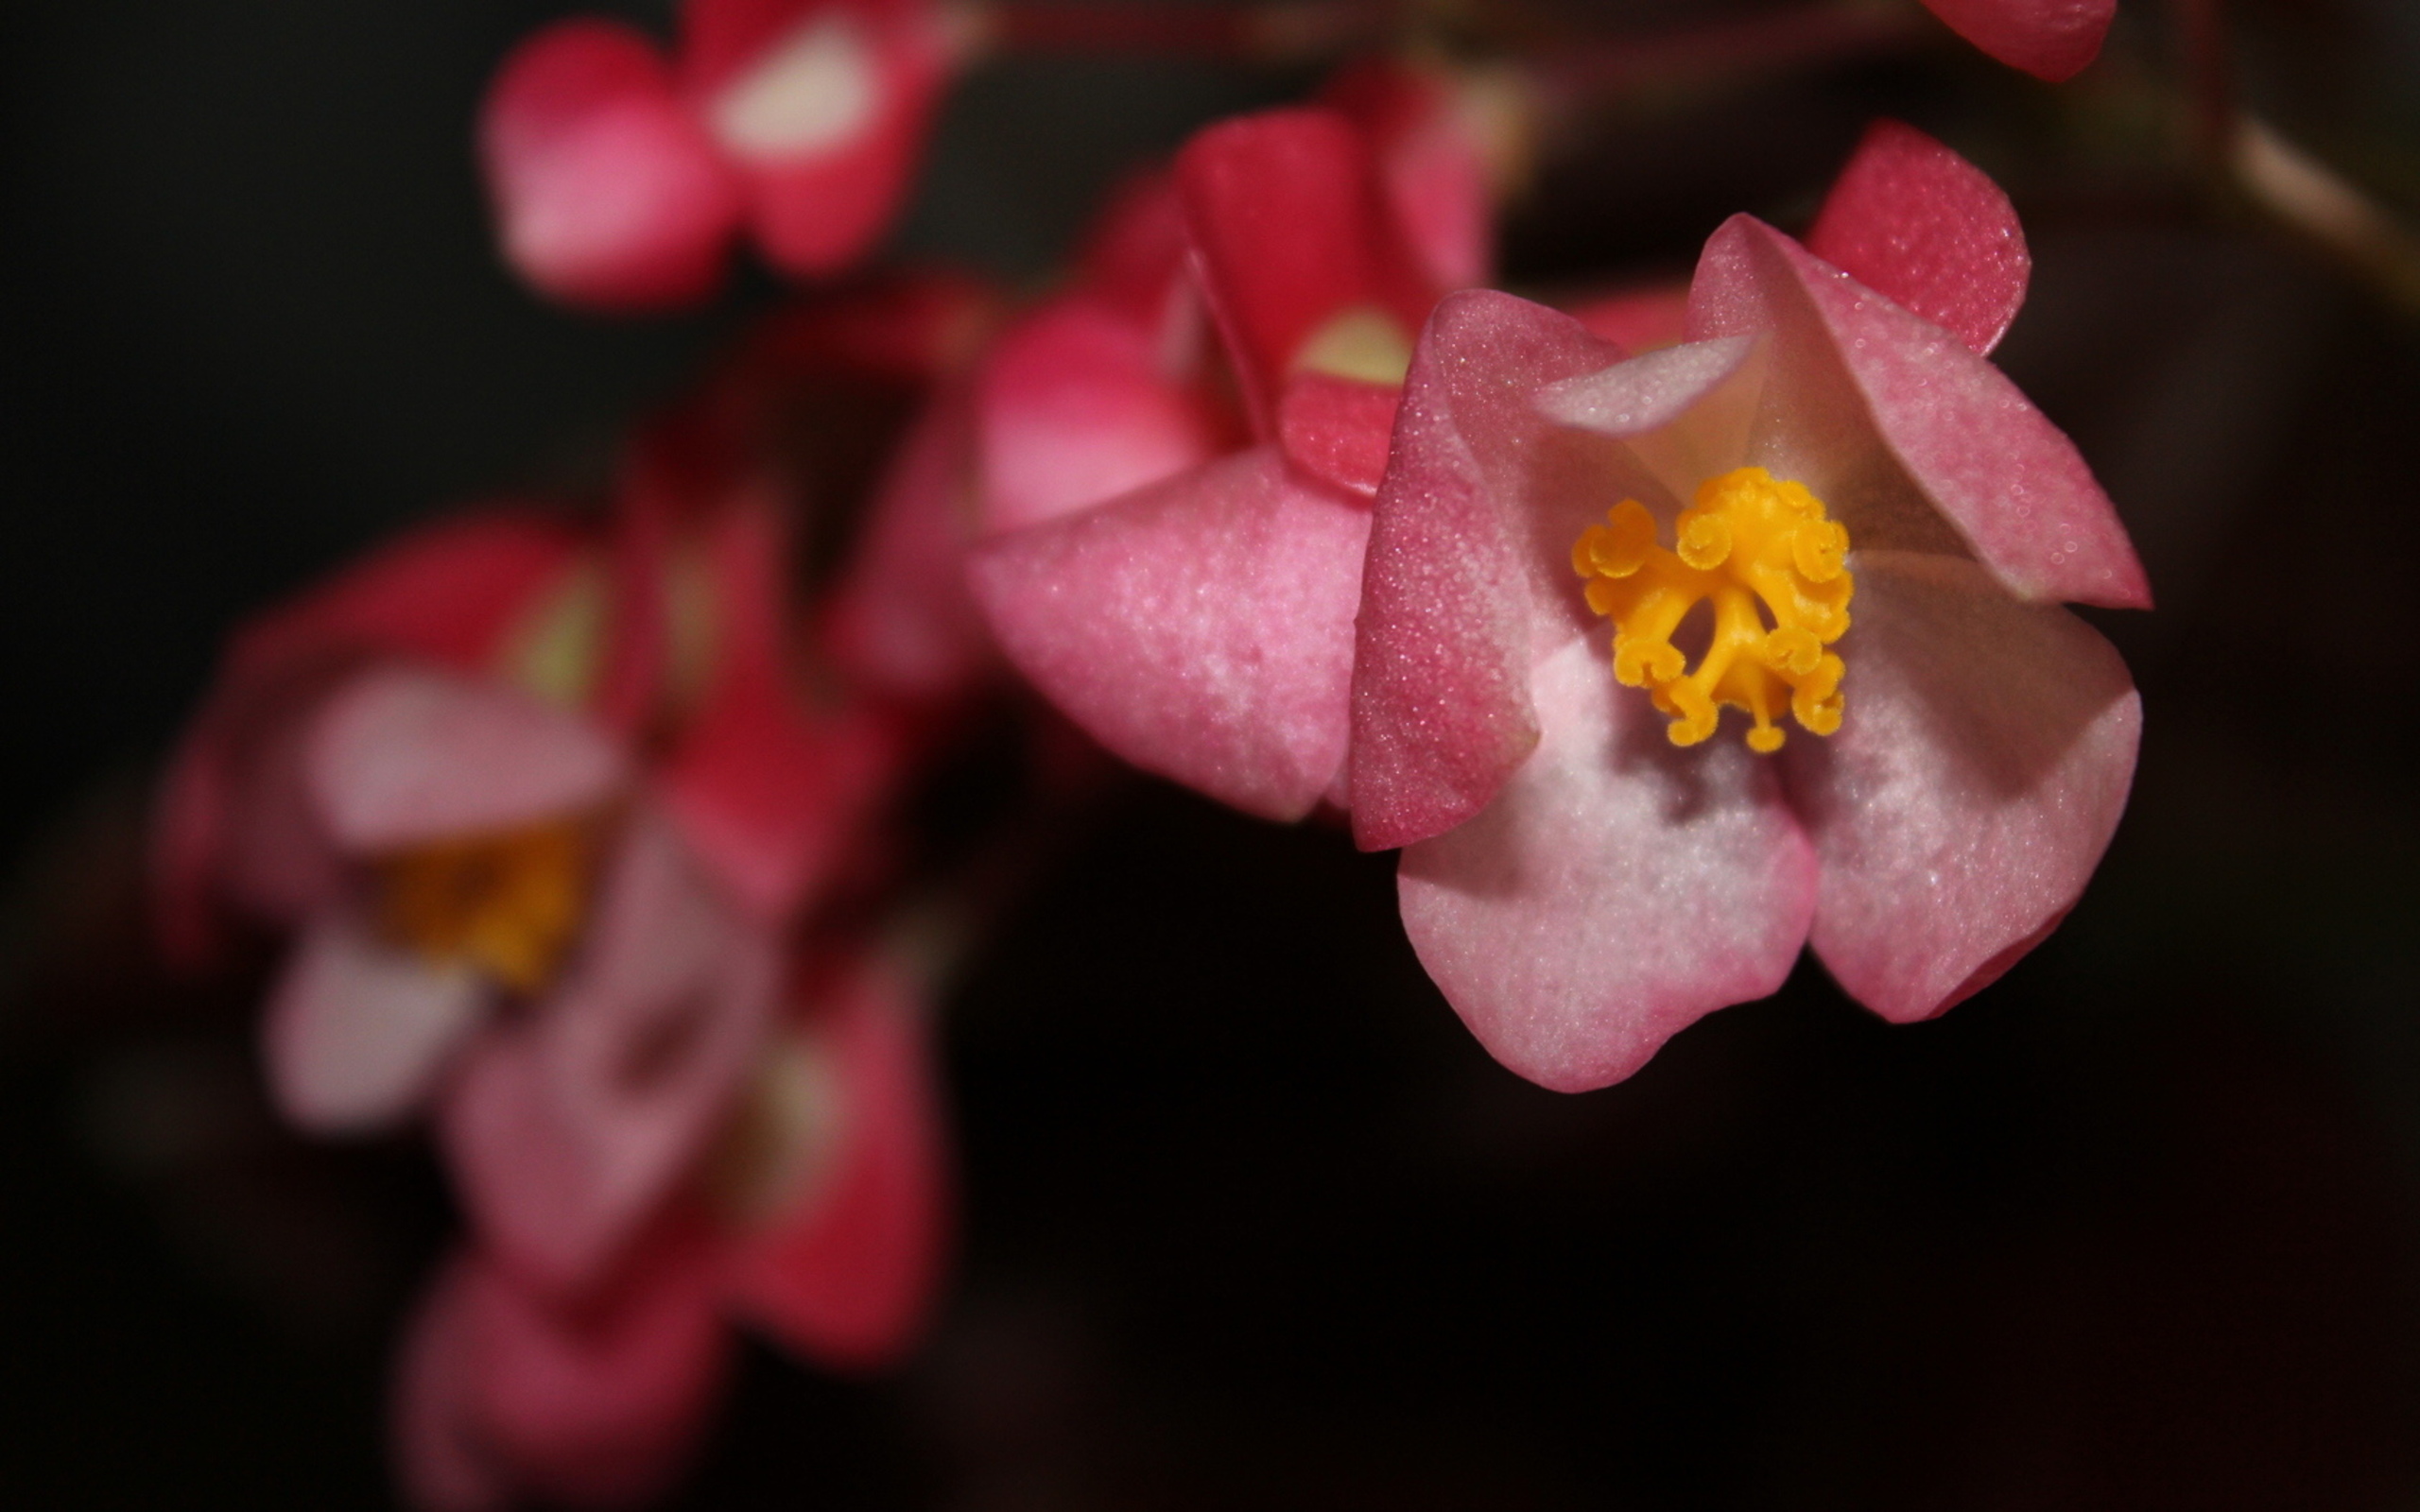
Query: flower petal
(1074,407)
(847,1275)
(407,753)
(1431,160)
(608,191)
(566,1128)
(1638,320)
(1852,368)
(1614,892)
(357,1030)
(1910,218)
(1462,589)
(1972,788)
(1289,231)
(1337,429)
(2049,39)
(441,1448)
(1201,629)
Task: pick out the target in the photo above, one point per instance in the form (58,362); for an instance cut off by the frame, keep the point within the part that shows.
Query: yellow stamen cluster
(506,903)
(1749,539)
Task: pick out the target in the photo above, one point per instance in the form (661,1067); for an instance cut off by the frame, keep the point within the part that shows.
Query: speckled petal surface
(1201,628)
(1615,891)
(1970,792)
(1464,586)
(566,1126)
(357,1030)
(407,753)
(2049,39)
(1910,218)
(1852,369)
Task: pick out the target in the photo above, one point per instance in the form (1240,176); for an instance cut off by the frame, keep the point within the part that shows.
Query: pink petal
(1460,593)
(1074,407)
(1431,161)
(1617,891)
(406,753)
(1972,788)
(1288,231)
(766,790)
(848,1276)
(1134,256)
(1910,218)
(1851,366)
(441,1448)
(566,1128)
(901,623)
(595,1405)
(1337,429)
(359,1030)
(823,106)
(2049,39)
(1201,629)
(609,192)
(450,593)
(1638,320)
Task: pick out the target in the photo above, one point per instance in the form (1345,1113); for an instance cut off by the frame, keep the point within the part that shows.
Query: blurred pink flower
(820,1219)
(1189,604)
(619,178)
(538,805)
(2050,39)
(1579,888)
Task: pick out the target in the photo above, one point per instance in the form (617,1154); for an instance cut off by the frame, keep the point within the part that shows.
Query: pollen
(1772,565)
(507,903)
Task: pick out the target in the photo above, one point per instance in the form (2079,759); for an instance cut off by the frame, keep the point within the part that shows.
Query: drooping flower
(537,805)
(819,1219)
(1883,528)
(620,178)
(1198,623)
(2049,39)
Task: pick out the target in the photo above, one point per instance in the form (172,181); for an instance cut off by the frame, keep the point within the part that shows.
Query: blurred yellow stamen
(506,903)
(1750,540)
(1363,343)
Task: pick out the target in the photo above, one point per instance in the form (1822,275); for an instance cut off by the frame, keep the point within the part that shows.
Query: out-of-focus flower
(619,178)
(2050,39)
(1580,883)
(1199,622)
(818,1218)
(538,805)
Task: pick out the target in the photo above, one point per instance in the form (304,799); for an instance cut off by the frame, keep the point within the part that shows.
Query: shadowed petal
(1851,367)
(1431,160)
(407,753)
(1910,218)
(1972,788)
(357,1029)
(566,1128)
(2049,39)
(1201,628)
(1463,590)
(846,1275)
(1615,891)
(608,191)
(441,1448)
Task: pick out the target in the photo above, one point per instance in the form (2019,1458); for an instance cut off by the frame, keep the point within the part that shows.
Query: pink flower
(820,1220)
(441,770)
(620,178)
(1187,604)
(1581,886)
(2050,39)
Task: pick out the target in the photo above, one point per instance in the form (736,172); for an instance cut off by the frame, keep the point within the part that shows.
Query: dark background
(1250,1220)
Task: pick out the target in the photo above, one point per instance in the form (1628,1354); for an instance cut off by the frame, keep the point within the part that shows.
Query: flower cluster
(1665,634)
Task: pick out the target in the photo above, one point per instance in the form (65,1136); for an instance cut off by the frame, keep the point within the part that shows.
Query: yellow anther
(1363,342)
(507,903)
(1772,566)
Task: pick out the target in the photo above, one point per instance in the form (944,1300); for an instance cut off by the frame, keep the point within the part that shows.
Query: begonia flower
(1884,530)
(818,1220)
(2053,40)
(520,894)
(620,177)
(1199,624)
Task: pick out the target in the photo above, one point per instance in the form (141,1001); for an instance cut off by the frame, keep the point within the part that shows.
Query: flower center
(507,903)
(1362,342)
(1751,542)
